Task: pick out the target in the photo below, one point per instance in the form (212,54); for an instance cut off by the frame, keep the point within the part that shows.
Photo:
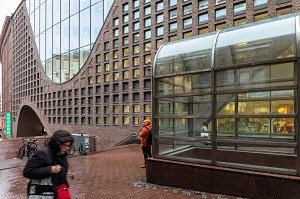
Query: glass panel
(74,6)
(65,64)
(56,11)
(42,46)
(185,55)
(74,62)
(56,39)
(56,69)
(49,14)
(233,43)
(74,32)
(42,18)
(96,20)
(85,38)
(65,29)
(65,9)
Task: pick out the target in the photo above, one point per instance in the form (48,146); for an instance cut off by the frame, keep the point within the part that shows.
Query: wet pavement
(111,174)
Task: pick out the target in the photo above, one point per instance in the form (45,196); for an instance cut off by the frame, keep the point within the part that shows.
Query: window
(220,26)
(125,86)
(106,46)
(147,34)
(261,16)
(136,120)
(136,49)
(187,34)
(147,96)
(159,43)
(220,2)
(116,86)
(173,27)
(147,1)
(116,54)
(159,31)
(136,97)
(116,32)
(125,7)
(147,46)
(106,56)
(239,8)
(147,72)
(125,52)
(147,22)
(106,67)
(136,37)
(116,21)
(116,65)
(136,61)
(135,85)
(136,26)
(125,63)
(136,14)
(220,13)
(125,29)
(106,78)
(125,74)
(147,59)
(125,18)
(203,4)
(136,3)
(125,120)
(147,84)
(106,120)
(116,99)
(173,14)
(136,73)
(172,2)
(125,99)
(284,11)
(116,43)
(159,18)
(147,108)
(203,18)
(136,108)
(238,22)
(173,38)
(187,23)
(125,41)
(116,76)
(258,4)
(187,9)
(116,120)
(159,6)
(116,109)
(147,10)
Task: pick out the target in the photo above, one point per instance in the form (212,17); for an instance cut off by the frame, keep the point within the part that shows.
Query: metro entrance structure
(243,82)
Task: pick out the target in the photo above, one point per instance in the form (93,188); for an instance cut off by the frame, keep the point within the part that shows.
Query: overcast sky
(7,7)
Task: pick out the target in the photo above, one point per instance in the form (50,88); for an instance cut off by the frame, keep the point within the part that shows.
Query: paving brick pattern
(112,174)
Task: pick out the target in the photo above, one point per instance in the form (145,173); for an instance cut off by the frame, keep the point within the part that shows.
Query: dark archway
(29,123)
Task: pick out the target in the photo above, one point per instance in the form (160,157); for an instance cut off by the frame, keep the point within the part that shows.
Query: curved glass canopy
(270,39)
(242,84)
(65,31)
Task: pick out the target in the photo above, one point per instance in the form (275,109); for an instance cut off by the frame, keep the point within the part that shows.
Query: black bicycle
(28,148)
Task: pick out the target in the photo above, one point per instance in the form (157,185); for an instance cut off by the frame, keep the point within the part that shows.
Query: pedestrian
(47,169)
(203,130)
(146,148)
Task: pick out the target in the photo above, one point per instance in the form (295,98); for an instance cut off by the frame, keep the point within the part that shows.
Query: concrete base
(227,181)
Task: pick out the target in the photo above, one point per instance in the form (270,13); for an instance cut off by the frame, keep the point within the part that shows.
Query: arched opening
(29,123)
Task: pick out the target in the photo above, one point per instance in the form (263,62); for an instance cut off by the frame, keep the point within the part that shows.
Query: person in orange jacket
(145,148)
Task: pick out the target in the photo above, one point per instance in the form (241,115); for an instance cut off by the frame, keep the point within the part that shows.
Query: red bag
(63,192)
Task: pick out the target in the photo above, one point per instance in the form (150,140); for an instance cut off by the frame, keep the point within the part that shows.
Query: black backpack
(149,137)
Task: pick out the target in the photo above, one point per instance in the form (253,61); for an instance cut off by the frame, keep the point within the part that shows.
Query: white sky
(7,7)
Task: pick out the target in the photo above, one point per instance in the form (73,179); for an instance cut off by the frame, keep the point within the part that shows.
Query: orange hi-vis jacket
(144,132)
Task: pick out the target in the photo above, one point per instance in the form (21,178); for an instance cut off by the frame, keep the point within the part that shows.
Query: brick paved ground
(113,174)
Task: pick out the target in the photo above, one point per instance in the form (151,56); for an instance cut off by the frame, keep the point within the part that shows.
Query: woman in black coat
(48,167)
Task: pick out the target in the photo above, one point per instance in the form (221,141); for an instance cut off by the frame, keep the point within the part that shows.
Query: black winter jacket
(39,165)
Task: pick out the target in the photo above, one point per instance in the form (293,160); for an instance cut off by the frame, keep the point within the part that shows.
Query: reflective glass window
(187,23)
(203,18)
(173,14)
(147,22)
(56,11)
(136,26)
(49,14)
(159,18)
(187,9)
(203,4)
(85,38)
(74,33)
(84,4)
(96,20)
(220,13)
(159,6)
(147,10)
(65,9)
(280,43)
(172,2)
(136,14)
(136,3)
(74,6)
(147,34)
(173,27)
(159,31)
(239,8)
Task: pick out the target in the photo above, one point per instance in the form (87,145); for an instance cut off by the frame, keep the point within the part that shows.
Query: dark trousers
(146,152)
